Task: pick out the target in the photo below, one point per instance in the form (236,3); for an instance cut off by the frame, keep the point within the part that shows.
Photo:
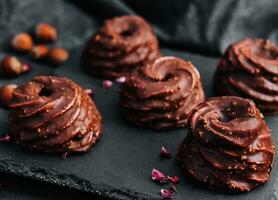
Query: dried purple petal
(158,176)
(106,84)
(89,92)
(173,188)
(167,194)
(164,152)
(174,179)
(5,138)
(26,68)
(121,79)
(64,155)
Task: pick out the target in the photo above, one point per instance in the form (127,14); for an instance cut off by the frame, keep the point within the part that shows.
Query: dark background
(199,26)
(203,26)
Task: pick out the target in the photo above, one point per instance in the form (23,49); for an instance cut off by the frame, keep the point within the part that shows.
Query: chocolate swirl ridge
(249,69)
(54,114)
(122,44)
(228,146)
(161,94)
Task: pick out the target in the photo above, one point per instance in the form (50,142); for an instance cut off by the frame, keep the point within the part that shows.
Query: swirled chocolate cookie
(161,94)
(228,146)
(122,44)
(54,114)
(249,69)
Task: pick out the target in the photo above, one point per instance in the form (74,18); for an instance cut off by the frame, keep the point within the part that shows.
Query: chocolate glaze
(54,114)
(122,44)
(249,69)
(161,94)
(228,146)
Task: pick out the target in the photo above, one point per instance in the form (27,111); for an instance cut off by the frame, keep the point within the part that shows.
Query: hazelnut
(57,56)
(6,94)
(22,42)
(46,32)
(39,51)
(11,66)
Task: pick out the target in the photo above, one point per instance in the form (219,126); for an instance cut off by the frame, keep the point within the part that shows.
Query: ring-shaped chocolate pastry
(54,114)
(161,94)
(249,69)
(228,146)
(122,44)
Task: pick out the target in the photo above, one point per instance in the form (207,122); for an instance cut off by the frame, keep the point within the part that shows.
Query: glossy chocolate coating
(161,94)
(54,114)
(228,146)
(249,69)
(122,44)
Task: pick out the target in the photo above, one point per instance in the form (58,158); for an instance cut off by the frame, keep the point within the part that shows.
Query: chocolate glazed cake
(122,44)
(161,94)
(228,146)
(249,69)
(54,114)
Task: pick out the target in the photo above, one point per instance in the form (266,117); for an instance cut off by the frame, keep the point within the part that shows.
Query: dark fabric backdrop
(204,26)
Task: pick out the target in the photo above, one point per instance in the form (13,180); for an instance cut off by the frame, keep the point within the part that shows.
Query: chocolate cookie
(122,44)
(161,94)
(249,69)
(54,114)
(228,146)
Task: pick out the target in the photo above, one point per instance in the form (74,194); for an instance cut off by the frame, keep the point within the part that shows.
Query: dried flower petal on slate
(5,138)
(158,176)
(173,188)
(64,155)
(26,68)
(167,194)
(121,79)
(106,84)
(164,152)
(89,92)
(174,179)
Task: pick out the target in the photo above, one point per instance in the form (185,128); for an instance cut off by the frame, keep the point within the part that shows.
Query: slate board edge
(70,181)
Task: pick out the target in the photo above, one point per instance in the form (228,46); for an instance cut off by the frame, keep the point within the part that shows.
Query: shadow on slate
(119,165)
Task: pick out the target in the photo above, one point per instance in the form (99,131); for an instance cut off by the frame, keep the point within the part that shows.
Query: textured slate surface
(20,188)
(119,165)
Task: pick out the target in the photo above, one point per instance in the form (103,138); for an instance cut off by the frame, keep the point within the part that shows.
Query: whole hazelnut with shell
(57,56)
(6,94)
(22,42)
(11,66)
(46,32)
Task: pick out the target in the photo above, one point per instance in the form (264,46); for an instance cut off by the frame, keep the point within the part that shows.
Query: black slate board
(19,188)
(119,165)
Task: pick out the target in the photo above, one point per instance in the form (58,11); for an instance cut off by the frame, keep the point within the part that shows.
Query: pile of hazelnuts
(11,66)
